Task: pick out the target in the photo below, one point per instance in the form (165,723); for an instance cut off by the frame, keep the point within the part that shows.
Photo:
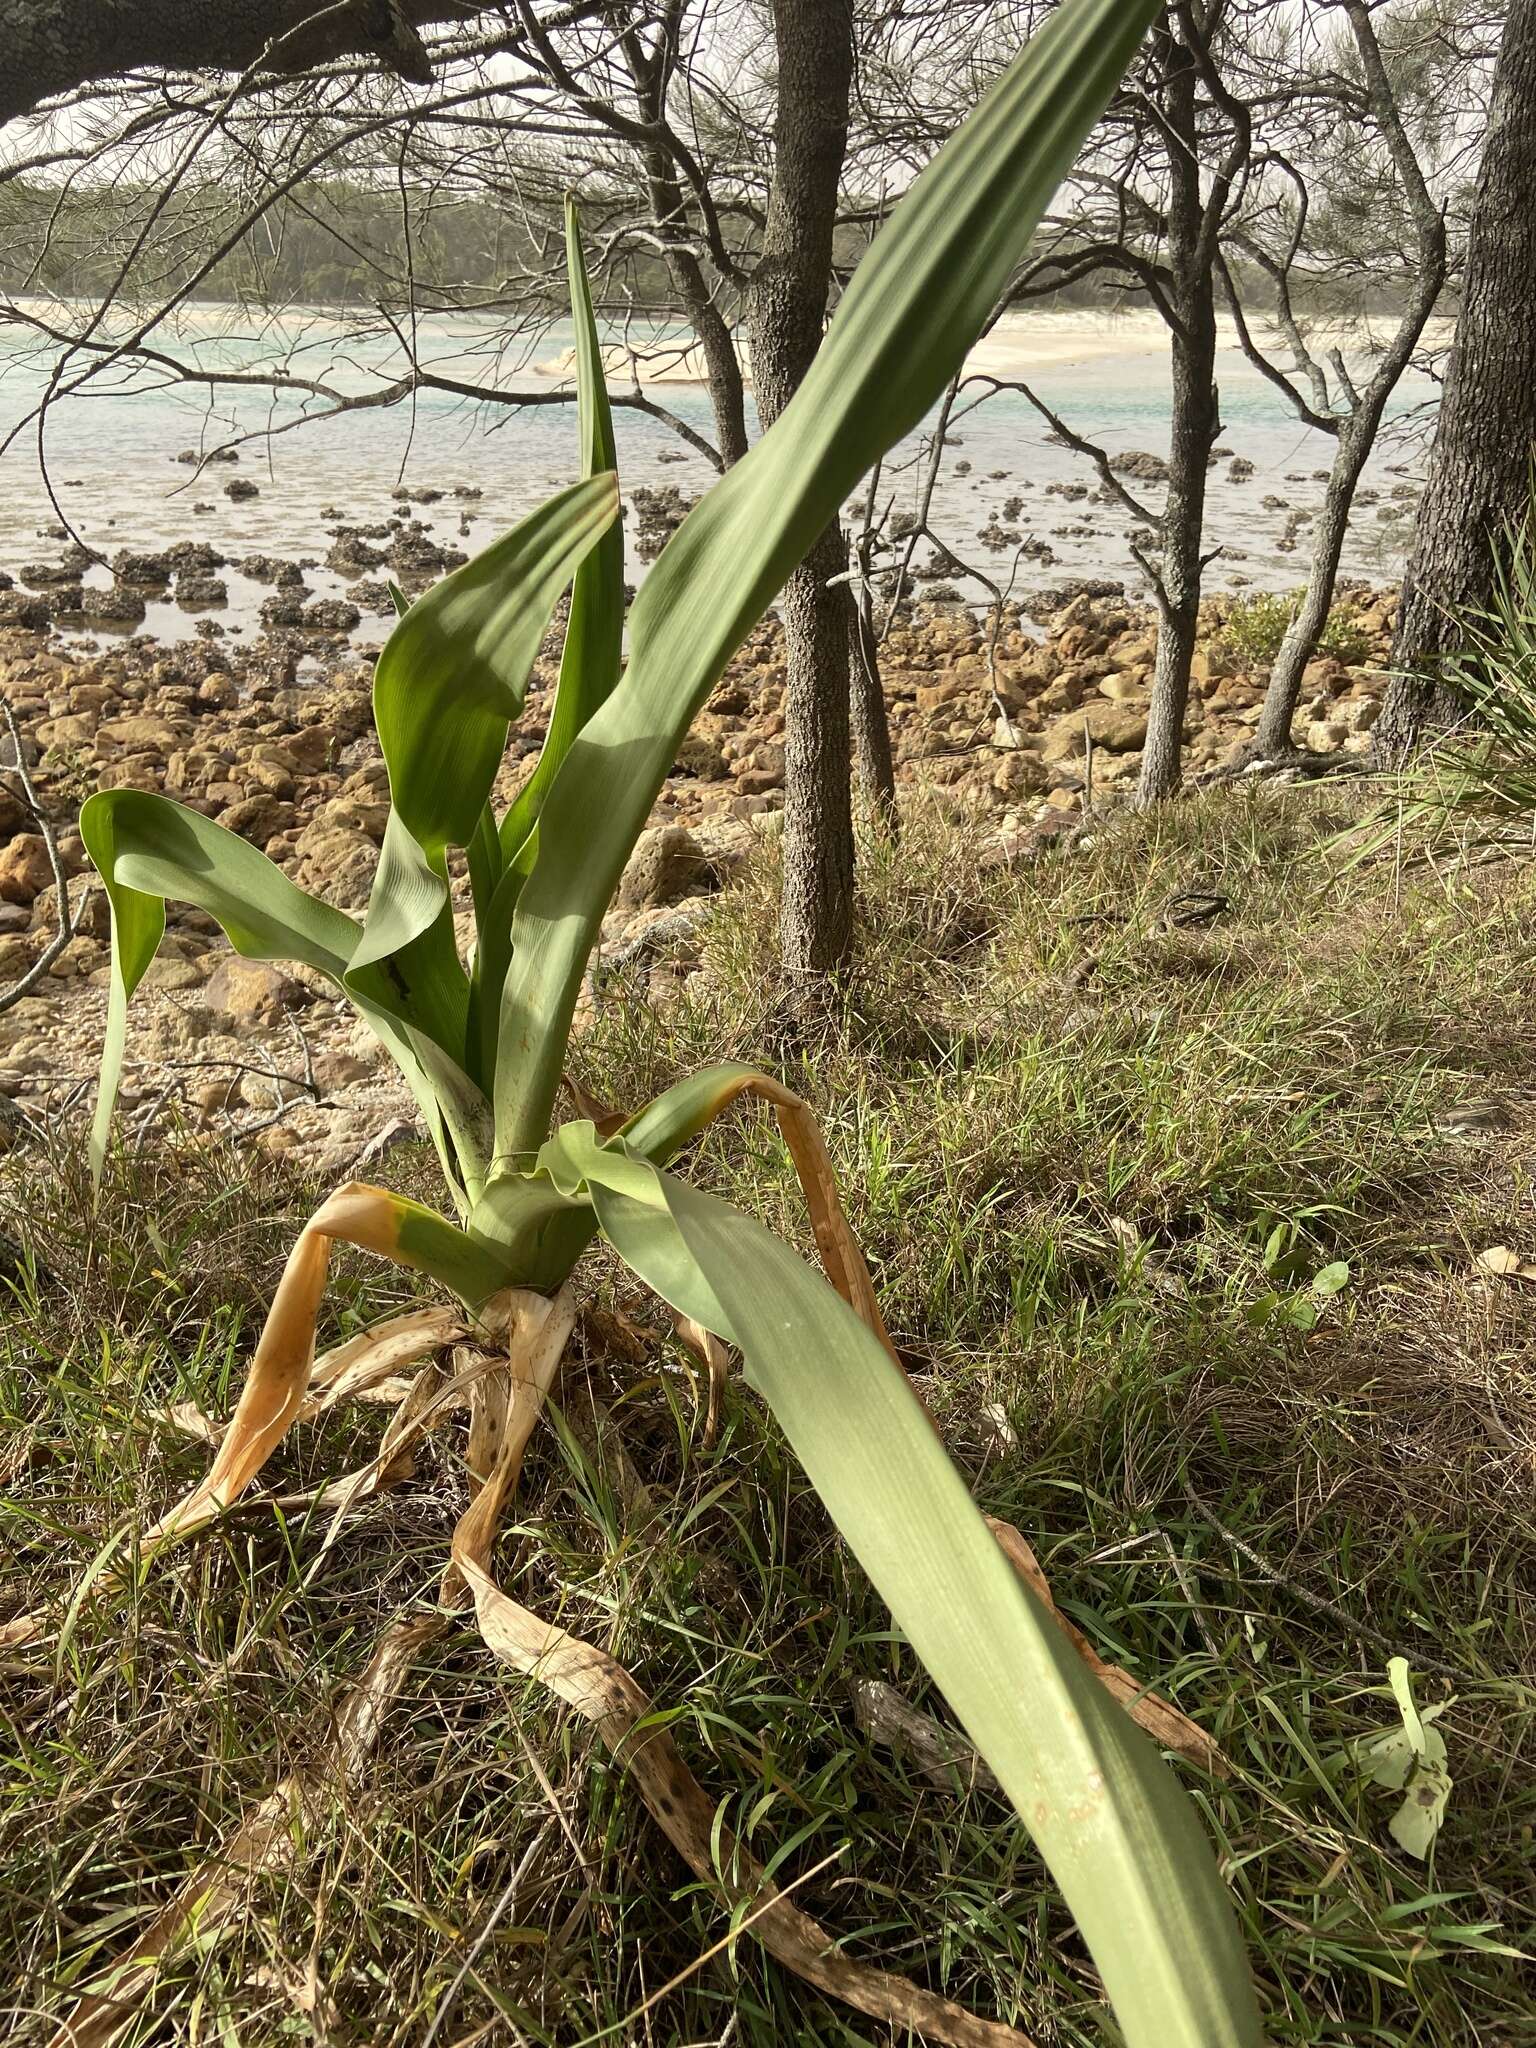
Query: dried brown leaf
(1499,1260)
(707,1347)
(356,1369)
(600,1689)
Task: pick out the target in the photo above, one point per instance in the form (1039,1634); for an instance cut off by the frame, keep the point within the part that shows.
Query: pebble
(274,739)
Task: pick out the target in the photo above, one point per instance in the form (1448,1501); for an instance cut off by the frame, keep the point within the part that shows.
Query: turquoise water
(109,449)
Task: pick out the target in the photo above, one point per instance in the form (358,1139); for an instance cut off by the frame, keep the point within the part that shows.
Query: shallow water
(109,454)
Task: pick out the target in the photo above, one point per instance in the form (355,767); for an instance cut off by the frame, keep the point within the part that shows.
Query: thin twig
(69,915)
(1363,1630)
(509,1892)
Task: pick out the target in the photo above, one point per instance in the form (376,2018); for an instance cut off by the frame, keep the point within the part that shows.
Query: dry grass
(1097,1163)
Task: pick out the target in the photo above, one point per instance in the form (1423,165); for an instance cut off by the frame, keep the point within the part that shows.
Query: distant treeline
(339,243)
(326,244)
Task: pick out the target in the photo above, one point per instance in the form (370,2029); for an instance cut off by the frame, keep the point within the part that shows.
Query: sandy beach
(1023,343)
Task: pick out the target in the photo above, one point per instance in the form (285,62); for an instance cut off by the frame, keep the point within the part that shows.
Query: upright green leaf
(1119,1834)
(594,633)
(485,863)
(147,848)
(408,944)
(453,673)
(914,306)
(589,663)
(451,678)
(539,1231)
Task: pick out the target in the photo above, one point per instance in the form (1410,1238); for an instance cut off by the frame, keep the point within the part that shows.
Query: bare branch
(68,915)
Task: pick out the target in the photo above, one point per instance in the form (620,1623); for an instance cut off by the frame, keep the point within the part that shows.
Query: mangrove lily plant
(482,1046)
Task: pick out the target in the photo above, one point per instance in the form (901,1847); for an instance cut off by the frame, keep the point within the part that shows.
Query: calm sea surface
(110,455)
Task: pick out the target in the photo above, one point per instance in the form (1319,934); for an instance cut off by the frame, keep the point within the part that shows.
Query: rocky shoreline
(1014,730)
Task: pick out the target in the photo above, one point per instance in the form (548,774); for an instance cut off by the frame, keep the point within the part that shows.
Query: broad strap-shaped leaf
(451,678)
(594,633)
(548,1230)
(658,1132)
(485,864)
(147,850)
(537,1230)
(680,1112)
(146,846)
(453,674)
(589,669)
(463,1109)
(407,963)
(676,1114)
(1119,1834)
(915,304)
(407,942)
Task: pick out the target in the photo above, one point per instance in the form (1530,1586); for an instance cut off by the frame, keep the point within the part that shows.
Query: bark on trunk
(816,908)
(1273,736)
(1480,464)
(787,308)
(1357,434)
(727,391)
(1196,424)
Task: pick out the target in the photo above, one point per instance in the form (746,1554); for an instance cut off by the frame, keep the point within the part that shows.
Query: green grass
(1254,625)
(1083,1151)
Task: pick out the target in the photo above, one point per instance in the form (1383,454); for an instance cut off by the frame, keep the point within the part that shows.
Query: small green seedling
(1410,1759)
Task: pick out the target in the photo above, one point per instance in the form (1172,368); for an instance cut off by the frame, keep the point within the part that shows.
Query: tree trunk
(1196,424)
(787,309)
(1273,737)
(674,226)
(1480,464)
(727,392)
(816,909)
(1357,434)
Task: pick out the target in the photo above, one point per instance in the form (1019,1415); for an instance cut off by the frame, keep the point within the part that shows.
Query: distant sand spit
(1021,343)
(1018,345)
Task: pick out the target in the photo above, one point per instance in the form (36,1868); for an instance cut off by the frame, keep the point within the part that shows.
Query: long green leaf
(589,663)
(683,1110)
(408,945)
(138,925)
(454,672)
(551,1230)
(472,1267)
(1119,1834)
(539,1231)
(451,678)
(594,633)
(148,849)
(915,304)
